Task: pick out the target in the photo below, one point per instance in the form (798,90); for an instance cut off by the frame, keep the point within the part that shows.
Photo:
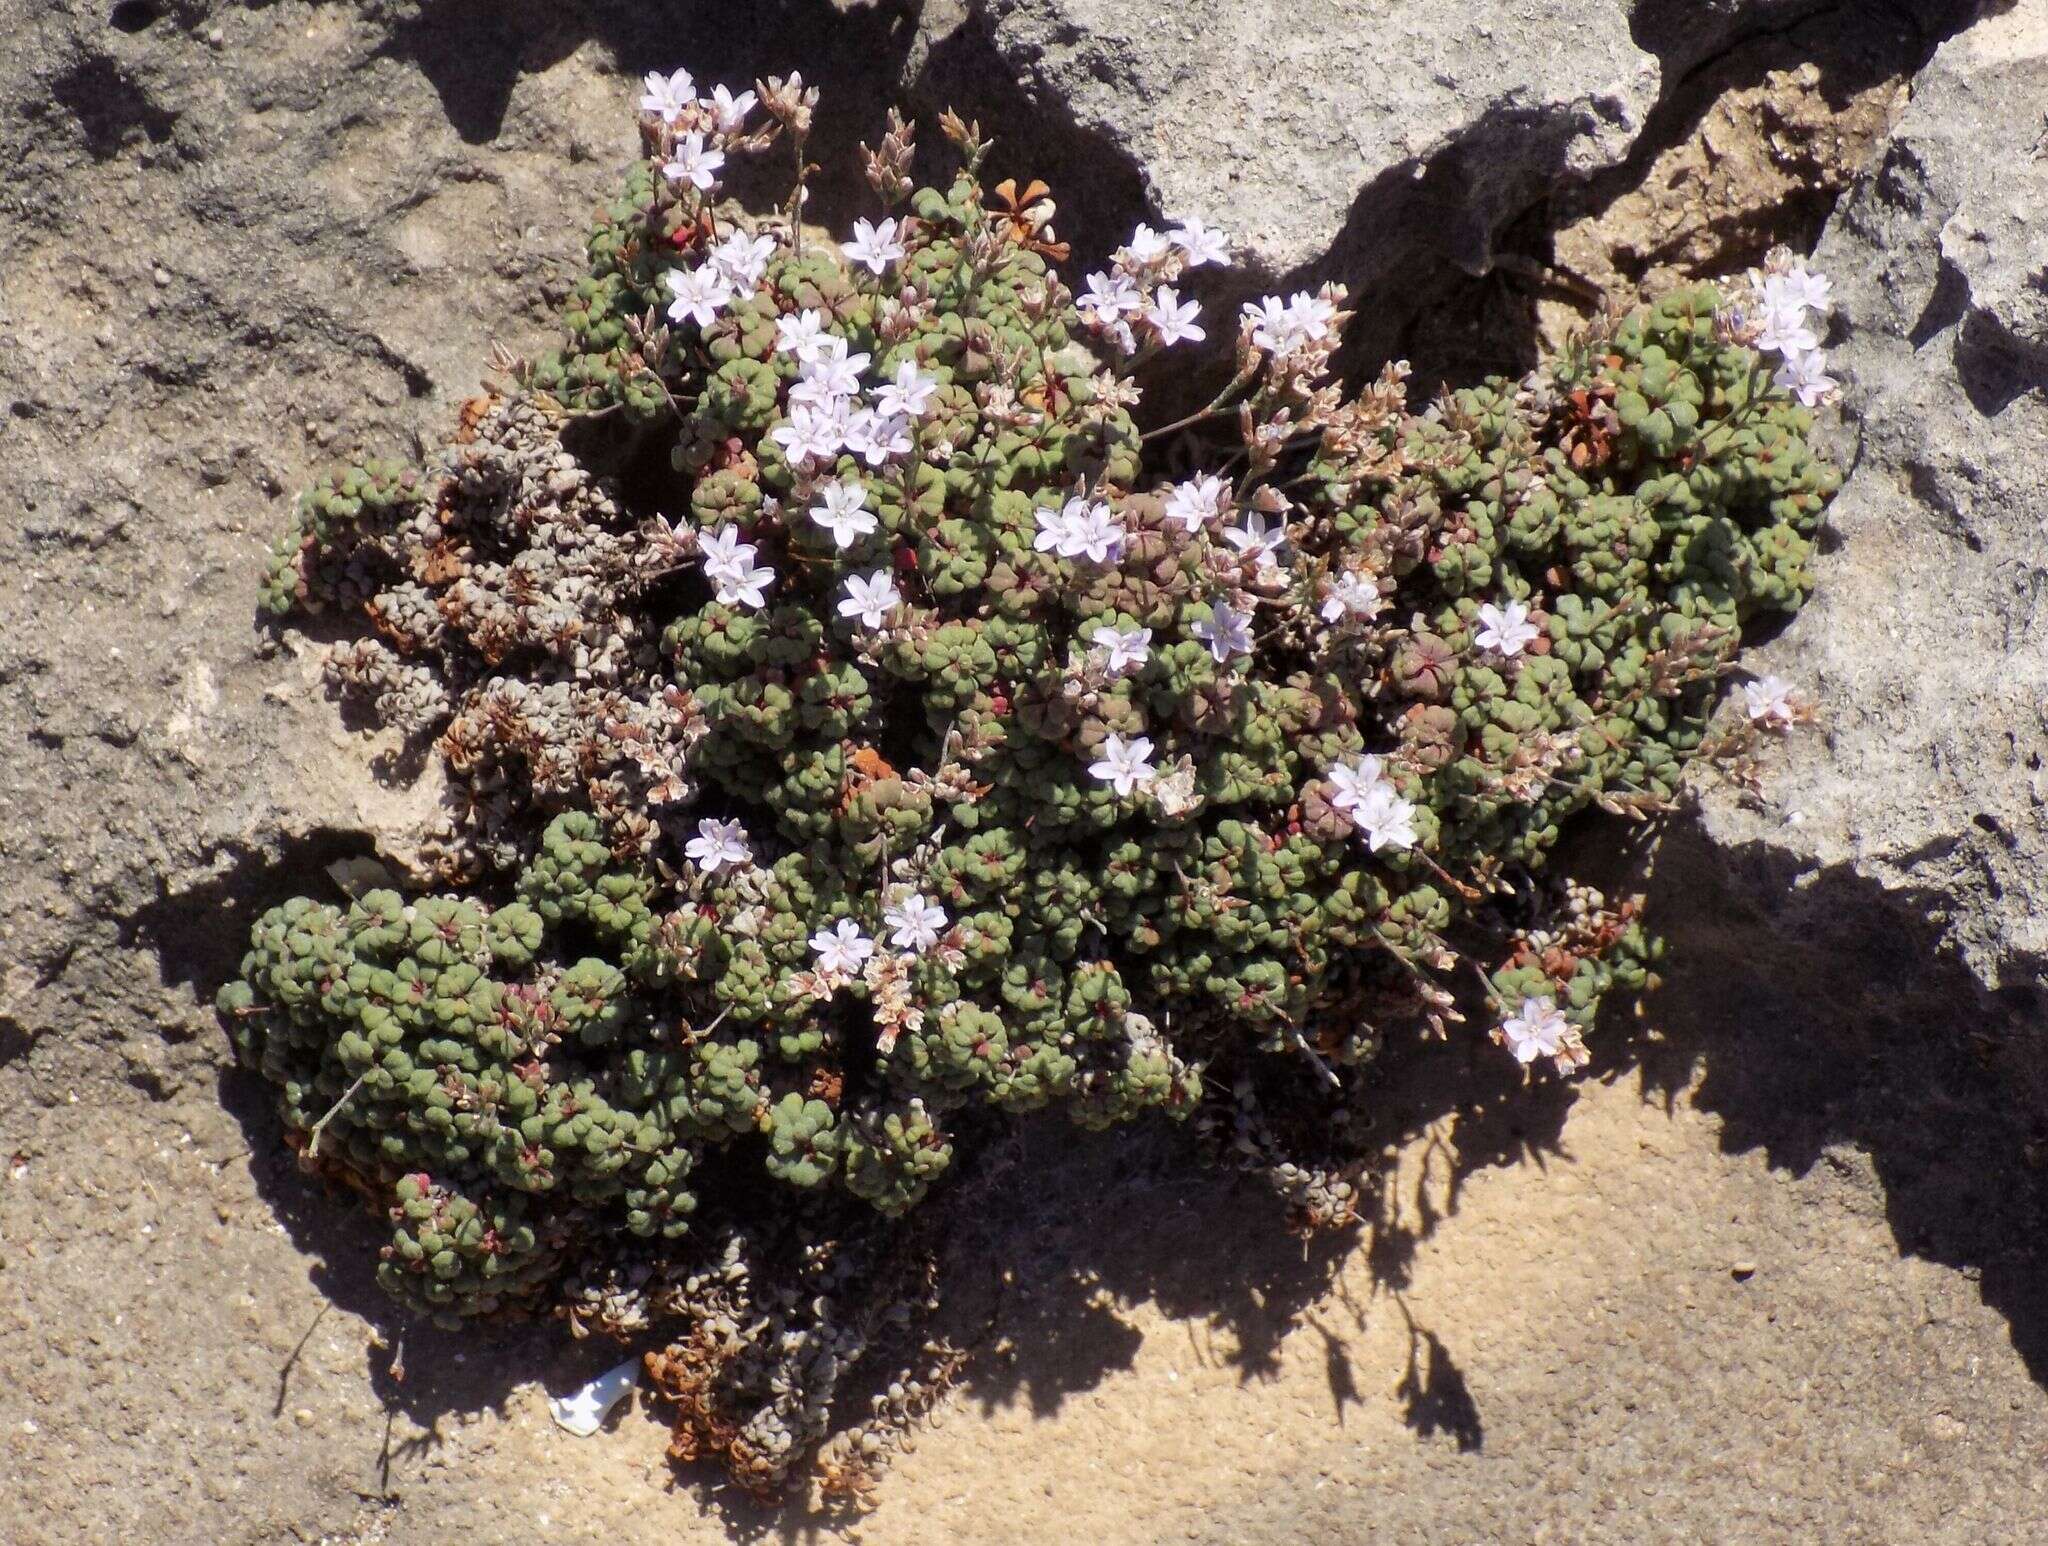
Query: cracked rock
(1344,136)
(1926,642)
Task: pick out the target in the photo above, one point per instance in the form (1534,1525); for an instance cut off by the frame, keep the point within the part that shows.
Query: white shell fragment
(584,1410)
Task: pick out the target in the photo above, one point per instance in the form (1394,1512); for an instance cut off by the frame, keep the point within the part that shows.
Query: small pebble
(1743,1271)
(162,276)
(303,1417)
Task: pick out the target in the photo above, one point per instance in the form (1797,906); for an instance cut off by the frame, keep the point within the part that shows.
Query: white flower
(874,246)
(1127,651)
(1055,530)
(1351,595)
(668,95)
(1147,245)
(832,376)
(1281,327)
(1805,376)
(1173,317)
(908,394)
(731,111)
(1201,244)
(1311,316)
(1768,701)
(875,437)
(1537,1030)
(844,513)
(1227,632)
(1797,290)
(729,565)
(1506,630)
(869,597)
(1786,333)
(803,334)
(742,258)
(1194,505)
(809,432)
(699,294)
(1125,765)
(723,552)
(1256,540)
(914,923)
(1109,298)
(1093,532)
(1384,819)
(719,844)
(842,950)
(693,164)
(1354,781)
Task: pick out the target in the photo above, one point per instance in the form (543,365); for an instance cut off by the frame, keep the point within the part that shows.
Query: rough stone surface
(1927,642)
(1352,137)
(238,243)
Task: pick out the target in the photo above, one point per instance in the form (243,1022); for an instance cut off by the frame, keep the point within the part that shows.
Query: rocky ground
(1769,1274)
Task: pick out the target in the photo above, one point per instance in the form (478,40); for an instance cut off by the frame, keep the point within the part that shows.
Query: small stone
(1743,1271)
(303,1417)
(162,276)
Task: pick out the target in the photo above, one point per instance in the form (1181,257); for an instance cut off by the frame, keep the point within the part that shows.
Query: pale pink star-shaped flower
(1201,244)
(1384,819)
(907,394)
(731,111)
(844,512)
(869,597)
(1351,782)
(1273,328)
(724,551)
(1768,701)
(1093,532)
(832,377)
(1126,766)
(842,950)
(875,437)
(719,845)
(1173,318)
(1109,298)
(1147,245)
(1538,1029)
(1786,332)
(1194,504)
(1798,289)
(741,582)
(667,96)
(698,294)
(1506,630)
(694,163)
(803,334)
(875,247)
(1351,595)
(1127,651)
(1805,376)
(915,922)
(1054,530)
(1311,316)
(743,259)
(1256,540)
(809,432)
(1226,631)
